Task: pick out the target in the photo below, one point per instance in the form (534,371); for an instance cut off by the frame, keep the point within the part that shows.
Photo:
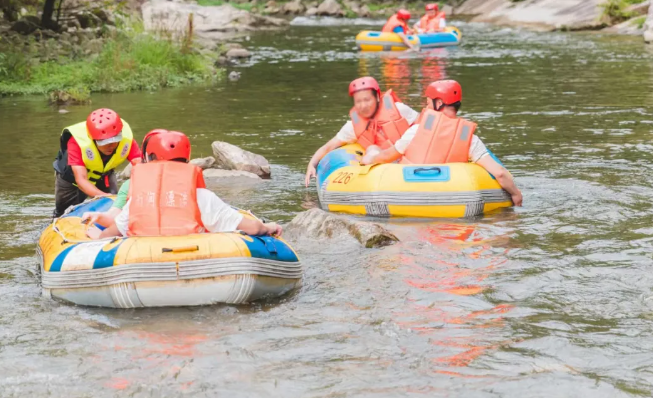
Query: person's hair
(456,105)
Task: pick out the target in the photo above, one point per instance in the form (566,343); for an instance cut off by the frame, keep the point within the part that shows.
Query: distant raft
(379,41)
(452,190)
(160,271)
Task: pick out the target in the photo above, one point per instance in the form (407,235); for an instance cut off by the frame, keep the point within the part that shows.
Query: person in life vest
(167,197)
(377,122)
(88,154)
(432,21)
(439,136)
(398,23)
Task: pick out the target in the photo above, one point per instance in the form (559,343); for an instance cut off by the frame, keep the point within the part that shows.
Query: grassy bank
(121,62)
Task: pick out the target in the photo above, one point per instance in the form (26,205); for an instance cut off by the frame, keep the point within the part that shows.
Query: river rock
(211,175)
(311,12)
(537,14)
(203,163)
(330,8)
(213,22)
(365,11)
(648,26)
(319,224)
(237,53)
(26,25)
(234,76)
(639,9)
(230,157)
(294,7)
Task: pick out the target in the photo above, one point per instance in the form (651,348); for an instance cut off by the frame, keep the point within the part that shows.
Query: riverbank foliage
(616,11)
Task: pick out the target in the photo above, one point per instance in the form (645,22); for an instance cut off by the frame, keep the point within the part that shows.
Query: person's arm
(110,232)
(407,42)
(386,156)
(81,178)
(105,219)
(503,176)
(311,169)
(255,227)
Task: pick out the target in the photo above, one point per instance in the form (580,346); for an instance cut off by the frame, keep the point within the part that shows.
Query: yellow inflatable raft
(161,271)
(381,41)
(450,190)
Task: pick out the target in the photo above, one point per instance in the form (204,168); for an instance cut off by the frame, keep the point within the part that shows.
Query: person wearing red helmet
(88,154)
(440,136)
(432,21)
(377,122)
(168,196)
(398,23)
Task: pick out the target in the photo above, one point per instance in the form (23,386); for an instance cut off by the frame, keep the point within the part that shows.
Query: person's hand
(310,173)
(90,217)
(367,159)
(517,199)
(93,232)
(274,229)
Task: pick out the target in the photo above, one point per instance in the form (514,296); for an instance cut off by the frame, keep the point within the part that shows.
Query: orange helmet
(166,145)
(449,91)
(104,126)
(403,14)
(432,7)
(364,83)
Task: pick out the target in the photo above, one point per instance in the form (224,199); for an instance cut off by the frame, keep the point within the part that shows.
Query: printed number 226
(342,178)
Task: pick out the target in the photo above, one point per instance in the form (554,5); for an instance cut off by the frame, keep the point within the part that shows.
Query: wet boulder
(237,53)
(219,176)
(203,163)
(230,157)
(294,7)
(319,224)
(311,12)
(330,8)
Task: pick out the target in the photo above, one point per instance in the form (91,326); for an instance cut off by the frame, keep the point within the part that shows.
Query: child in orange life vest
(377,122)
(168,198)
(398,23)
(440,136)
(432,21)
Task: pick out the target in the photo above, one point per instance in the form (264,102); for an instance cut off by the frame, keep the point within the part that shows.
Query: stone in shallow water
(230,157)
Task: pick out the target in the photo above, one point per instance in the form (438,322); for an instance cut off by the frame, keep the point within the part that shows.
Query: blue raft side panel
(333,161)
(101,204)
(270,248)
(437,39)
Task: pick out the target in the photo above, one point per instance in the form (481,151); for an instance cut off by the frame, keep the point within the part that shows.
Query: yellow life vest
(91,155)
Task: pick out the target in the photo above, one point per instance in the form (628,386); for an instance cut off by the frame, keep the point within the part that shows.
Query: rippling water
(552,299)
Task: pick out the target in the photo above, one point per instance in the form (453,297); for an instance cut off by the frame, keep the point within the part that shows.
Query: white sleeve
(346,133)
(443,23)
(217,216)
(405,139)
(122,219)
(406,111)
(477,149)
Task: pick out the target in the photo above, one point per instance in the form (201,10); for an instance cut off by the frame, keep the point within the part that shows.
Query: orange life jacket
(392,23)
(424,22)
(440,139)
(164,199)
(385,128)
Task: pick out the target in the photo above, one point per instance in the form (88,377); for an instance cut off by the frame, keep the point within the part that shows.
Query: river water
(550,300)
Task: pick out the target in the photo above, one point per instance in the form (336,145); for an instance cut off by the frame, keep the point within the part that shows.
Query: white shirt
(476,149)
(348,135)
(217,216)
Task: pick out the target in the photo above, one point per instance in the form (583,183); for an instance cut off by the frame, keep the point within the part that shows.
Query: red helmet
(431,7)
(449,91)
(167,145)
(403,14)
(146,140)
(104,126)
(364,83)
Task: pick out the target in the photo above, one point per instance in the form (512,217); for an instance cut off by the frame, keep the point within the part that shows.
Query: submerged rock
(230,157)
(203,163)
(237,53)
(210,175)
(317,223)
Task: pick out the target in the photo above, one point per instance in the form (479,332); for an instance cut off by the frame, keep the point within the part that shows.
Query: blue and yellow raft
(379,41)
(452,190)
(159,271)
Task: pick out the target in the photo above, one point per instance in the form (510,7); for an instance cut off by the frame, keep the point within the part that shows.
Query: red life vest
(424,22)
(392,23)
(164,199)
(385,128)
(440,139)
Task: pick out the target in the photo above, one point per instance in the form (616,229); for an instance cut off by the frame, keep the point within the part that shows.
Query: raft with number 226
(451,190)
(160,271)
(384,41)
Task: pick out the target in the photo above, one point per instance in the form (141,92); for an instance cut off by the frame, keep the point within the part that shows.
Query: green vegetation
(124,61)
(240,6)
(639,21)
(615,10)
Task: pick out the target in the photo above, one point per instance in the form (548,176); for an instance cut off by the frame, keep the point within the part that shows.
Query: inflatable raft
(379,41)
(161,271)
(452,190)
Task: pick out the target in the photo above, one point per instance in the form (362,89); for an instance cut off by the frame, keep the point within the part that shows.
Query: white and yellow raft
(131,272)
(452,190)
(368,40)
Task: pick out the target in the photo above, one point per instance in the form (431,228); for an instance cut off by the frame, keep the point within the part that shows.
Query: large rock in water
(331,8)
(539,14)
(231,157)
(294,7)
(319,224)
(648,27)
(212,22)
